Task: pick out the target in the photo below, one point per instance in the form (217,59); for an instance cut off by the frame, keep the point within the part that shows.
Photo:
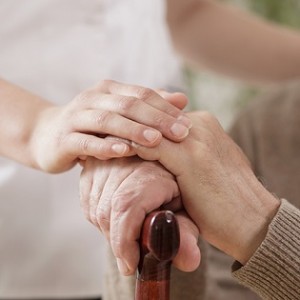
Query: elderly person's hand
(218,188)
(117,194)
(53,138)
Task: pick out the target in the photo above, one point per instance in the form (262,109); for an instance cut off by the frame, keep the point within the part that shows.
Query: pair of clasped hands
(140,152)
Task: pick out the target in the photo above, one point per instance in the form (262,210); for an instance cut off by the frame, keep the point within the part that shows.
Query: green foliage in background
(286,12)
(282,11)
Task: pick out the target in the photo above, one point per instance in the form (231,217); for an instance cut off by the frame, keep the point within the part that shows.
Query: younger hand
(64,134)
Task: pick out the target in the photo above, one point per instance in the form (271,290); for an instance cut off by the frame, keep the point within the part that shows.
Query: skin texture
(116,196)
(218,188)
(218,191)
(53,138)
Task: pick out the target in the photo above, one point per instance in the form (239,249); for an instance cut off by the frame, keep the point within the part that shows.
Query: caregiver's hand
(64,134)
(218,188)
(117,194)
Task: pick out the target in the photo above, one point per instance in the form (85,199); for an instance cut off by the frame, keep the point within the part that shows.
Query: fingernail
(179,130)
(119,148)
(122,266)
(151,135)
(185,121)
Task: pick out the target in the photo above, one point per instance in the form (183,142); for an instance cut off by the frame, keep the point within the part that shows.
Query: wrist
(254,226)
(37,141)
(21,110)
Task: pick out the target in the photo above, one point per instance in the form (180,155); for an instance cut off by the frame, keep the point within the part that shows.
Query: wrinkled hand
(78,129)
(218,188)
(116,195)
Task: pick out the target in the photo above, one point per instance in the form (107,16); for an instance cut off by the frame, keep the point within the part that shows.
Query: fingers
(145,94)
(189,256)
(78,144)
(169,154)
(145,106)
(132,113)
(107,122)
(98,182)
(126,221)
(187,259)
(177,99)
(141,193)
(116,196)
(201,144)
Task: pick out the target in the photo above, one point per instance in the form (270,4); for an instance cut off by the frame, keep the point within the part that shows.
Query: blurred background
(221,95)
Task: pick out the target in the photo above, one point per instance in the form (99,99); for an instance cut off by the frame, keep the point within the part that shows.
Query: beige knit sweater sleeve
(268,132)
(273,272)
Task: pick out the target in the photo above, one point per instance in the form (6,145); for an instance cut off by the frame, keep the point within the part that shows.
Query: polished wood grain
(159,243)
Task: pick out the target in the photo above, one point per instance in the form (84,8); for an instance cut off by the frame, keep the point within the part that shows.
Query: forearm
(20,111)
(235,220)
(230,41)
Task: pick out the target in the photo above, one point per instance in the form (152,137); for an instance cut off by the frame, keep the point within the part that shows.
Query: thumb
(167,153)
(189,256)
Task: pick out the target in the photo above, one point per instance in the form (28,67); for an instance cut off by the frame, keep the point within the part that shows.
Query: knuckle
(171,110)
(137,132)
(103,149)
(147,180)
(159,121)
(105,83)
(126,201)
(148,174)
(102,118)
(83,145)
(144,93)
(126,103)
(103,220)
(208,117)
(121,202)
(92,218)
(84,97)
(103,214)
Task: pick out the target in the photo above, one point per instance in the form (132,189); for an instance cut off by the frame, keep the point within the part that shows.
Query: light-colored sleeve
(273,272)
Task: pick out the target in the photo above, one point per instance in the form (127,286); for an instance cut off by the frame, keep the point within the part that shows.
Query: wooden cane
(159,243)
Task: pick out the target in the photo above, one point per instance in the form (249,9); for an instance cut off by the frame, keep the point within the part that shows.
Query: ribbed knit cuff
(273,272)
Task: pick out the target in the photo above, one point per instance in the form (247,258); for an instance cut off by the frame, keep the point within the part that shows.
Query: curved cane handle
(159,243)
